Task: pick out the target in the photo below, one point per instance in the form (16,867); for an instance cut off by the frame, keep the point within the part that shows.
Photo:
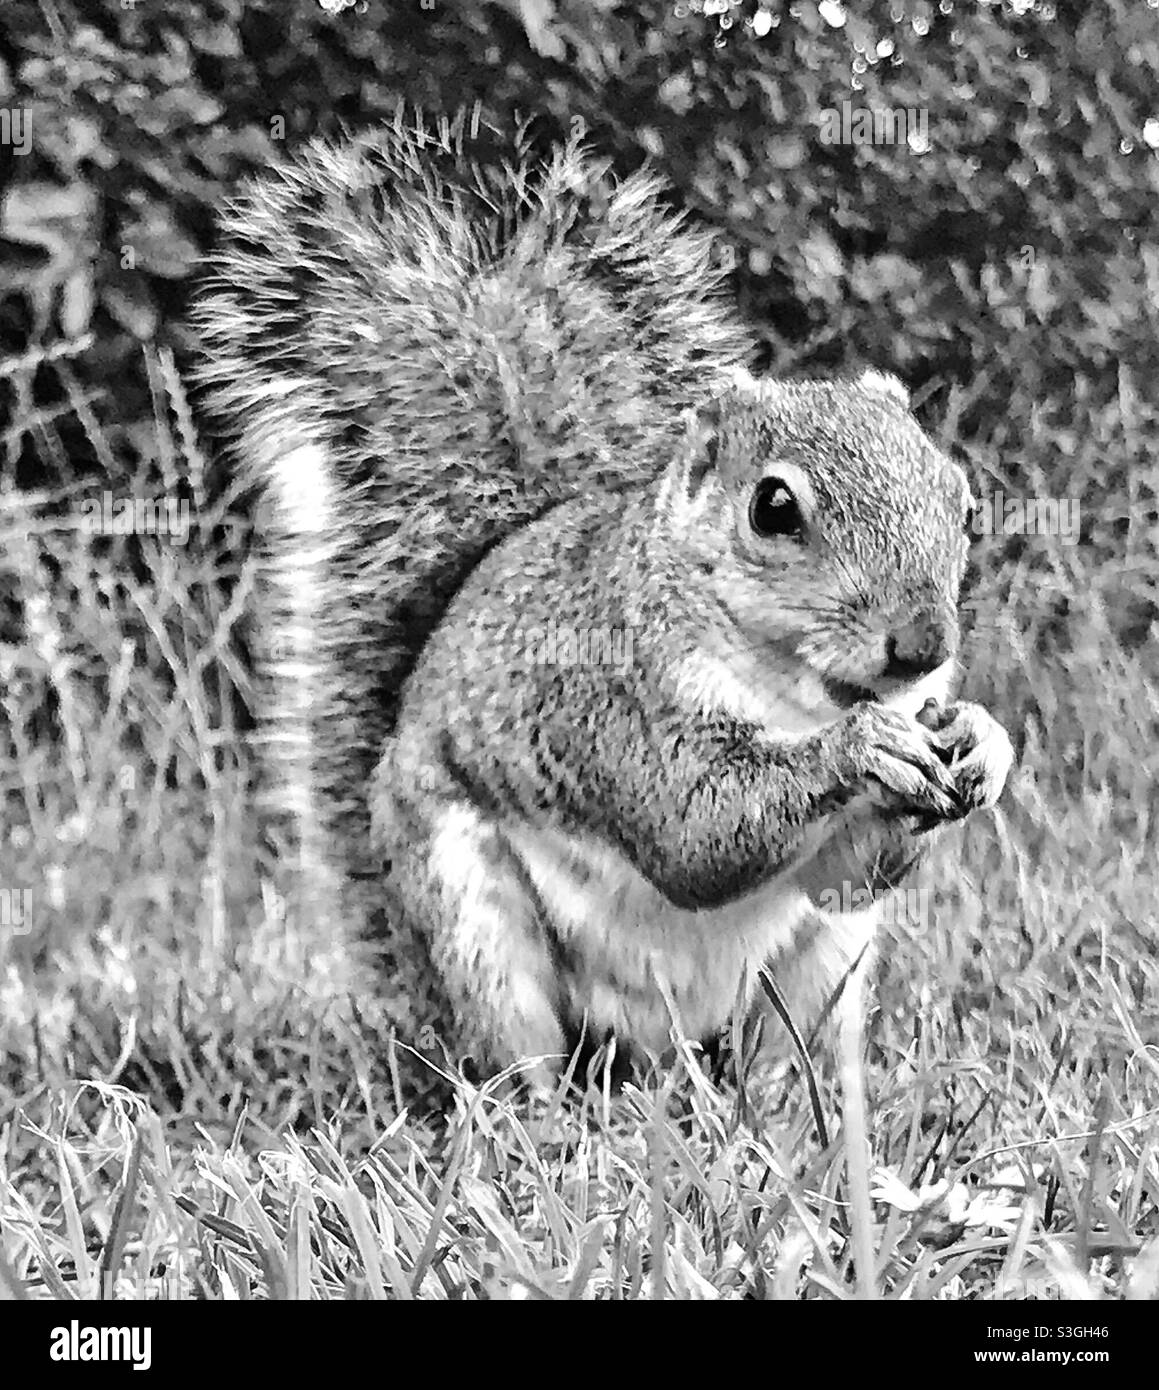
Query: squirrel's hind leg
(451,875)
(814,970)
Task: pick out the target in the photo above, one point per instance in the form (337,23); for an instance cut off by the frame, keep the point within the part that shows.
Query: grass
(194,1100)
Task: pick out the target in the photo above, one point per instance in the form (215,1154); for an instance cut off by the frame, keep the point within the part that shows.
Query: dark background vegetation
(148,113)
(1009,274)
(1016,258)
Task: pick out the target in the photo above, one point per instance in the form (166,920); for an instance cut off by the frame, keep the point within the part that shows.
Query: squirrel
(592,659)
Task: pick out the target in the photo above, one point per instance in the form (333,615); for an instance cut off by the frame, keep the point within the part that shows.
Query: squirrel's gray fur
(463,386)
(464,341)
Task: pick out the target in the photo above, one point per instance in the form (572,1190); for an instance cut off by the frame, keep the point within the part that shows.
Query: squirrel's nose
(918,648)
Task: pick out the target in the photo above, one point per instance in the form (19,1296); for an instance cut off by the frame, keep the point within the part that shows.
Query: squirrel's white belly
(625,945)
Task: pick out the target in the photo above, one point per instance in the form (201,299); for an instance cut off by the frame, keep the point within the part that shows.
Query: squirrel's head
(828,537)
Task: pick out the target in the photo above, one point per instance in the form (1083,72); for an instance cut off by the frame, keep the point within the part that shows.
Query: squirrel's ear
(693,459)
(883,384)
(701,445)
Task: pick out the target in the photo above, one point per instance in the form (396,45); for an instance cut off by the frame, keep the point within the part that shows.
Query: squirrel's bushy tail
(419,340)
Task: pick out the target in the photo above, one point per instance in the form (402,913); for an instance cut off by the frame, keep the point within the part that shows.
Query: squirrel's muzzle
(918,648)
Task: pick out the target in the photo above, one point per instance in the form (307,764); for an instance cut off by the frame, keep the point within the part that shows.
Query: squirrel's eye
(774,510)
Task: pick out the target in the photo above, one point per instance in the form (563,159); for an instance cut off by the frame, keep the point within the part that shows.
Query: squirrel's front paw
(976,748)
(899,763)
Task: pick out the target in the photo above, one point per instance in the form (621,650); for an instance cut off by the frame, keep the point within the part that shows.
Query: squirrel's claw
(980,754)
(903,761)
